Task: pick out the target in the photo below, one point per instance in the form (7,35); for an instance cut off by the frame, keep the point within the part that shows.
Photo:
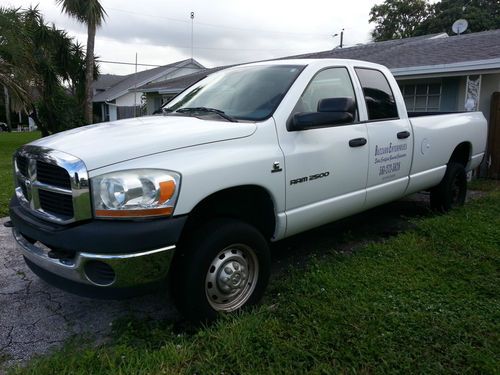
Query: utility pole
(192,33)
(341,38)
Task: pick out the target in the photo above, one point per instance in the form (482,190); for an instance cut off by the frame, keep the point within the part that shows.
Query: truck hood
(112,142)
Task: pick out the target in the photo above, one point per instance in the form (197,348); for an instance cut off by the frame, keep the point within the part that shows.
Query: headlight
(135,193)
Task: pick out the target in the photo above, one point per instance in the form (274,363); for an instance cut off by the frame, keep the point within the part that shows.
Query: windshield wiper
(206,109)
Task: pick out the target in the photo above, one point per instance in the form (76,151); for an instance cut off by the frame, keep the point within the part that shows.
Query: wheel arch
(252,204)
(461,154)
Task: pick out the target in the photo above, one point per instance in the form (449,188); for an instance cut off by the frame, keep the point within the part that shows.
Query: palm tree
(91,13)
(42,69)
(12,80)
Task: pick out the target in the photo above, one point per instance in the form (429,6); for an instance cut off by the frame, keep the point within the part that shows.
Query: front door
(325,174)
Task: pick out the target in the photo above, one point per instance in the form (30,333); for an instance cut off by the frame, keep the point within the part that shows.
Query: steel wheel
(451,191)
(231,278)
(456,192)
(223,267)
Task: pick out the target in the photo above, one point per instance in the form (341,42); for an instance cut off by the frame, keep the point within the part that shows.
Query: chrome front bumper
(105,271)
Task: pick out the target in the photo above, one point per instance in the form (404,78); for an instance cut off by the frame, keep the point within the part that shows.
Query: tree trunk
(89,73)
(7,107)
(39,125)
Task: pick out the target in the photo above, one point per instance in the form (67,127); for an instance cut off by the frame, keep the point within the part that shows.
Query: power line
(129,63)
(217,26)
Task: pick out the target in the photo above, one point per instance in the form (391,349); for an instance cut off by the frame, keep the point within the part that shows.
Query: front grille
(24,190)
(52,184)
(51,174)
(55,203)
(22,164)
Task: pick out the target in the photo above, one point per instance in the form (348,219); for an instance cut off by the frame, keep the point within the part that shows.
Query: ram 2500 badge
(248,155)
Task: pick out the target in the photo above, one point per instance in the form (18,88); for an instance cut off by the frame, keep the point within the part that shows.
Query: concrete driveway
(36,317)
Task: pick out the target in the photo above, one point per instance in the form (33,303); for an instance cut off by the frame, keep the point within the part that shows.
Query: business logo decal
(389,158)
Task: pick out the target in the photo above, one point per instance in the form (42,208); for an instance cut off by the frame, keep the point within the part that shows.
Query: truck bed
(422,114)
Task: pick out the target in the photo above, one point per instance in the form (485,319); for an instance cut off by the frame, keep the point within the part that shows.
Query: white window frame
(413,96)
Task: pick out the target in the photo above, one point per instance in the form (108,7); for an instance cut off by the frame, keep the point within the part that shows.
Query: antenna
(459,26)
(192,32)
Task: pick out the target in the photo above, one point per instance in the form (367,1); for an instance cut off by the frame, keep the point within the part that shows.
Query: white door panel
(390,158)
(341,168)
(390,138)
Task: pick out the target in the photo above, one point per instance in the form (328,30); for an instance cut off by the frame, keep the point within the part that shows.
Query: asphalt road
(36,317)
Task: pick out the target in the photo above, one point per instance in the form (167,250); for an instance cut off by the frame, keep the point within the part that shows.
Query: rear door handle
(357,142)
(403,135)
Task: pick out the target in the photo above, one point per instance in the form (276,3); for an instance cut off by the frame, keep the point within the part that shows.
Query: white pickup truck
(248,155)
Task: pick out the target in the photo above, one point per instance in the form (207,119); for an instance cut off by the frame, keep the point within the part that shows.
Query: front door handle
(357,142)
(403,135)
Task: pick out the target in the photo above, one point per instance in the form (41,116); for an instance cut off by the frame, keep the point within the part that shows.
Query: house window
(422,97)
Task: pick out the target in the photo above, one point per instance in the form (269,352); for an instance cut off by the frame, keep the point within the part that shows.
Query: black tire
(452,190)
(192,270)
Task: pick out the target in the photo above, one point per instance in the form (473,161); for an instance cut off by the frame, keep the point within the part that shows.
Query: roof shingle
(421,51)
(436,49)
(135,80)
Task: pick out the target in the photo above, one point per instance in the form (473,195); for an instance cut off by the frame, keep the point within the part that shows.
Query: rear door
(390,139)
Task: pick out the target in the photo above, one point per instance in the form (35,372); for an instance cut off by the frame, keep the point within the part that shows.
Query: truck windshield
(243,93)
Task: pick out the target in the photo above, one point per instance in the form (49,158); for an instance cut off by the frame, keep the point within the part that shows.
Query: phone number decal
(389,168)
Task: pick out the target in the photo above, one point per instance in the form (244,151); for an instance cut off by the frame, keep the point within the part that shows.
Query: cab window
(327,84)
(379,97)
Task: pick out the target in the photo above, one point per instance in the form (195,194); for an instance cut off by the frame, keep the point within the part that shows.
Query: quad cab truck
(249,155)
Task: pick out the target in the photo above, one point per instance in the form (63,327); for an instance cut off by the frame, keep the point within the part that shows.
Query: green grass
(426,301)
(483,184)
(9,142)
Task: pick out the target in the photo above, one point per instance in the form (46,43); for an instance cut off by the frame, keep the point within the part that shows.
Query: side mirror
(331,112)
(337,105)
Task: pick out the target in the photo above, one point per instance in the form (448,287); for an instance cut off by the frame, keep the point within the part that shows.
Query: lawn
(9,142)
(426,301)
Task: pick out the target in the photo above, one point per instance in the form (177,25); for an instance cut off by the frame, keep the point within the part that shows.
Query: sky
(224,31)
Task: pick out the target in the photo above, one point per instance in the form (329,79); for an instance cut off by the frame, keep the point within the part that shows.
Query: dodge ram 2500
(248,155)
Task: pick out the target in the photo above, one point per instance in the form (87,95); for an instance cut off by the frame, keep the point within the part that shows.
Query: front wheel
(452,190)
(222,267)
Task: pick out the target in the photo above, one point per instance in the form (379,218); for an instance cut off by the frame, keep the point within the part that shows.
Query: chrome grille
(51,174)
(22,164)
(52,184)
(57,204)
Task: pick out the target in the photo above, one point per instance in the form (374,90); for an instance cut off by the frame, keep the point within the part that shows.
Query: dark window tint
(379,98)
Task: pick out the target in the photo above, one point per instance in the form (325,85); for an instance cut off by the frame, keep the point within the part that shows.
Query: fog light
(99,273)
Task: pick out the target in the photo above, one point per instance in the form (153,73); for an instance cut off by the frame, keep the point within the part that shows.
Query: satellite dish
(459,26)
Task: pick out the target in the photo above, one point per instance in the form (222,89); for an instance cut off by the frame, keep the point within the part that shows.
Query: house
(116,97)
(436,73)
(160,92)
(441,73)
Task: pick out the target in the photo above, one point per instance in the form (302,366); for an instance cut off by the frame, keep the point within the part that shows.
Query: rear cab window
(379,98)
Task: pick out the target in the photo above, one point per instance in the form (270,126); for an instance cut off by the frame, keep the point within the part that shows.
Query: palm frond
(85,11)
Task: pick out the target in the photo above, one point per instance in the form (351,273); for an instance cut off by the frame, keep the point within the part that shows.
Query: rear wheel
(222,267)
(451,192)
